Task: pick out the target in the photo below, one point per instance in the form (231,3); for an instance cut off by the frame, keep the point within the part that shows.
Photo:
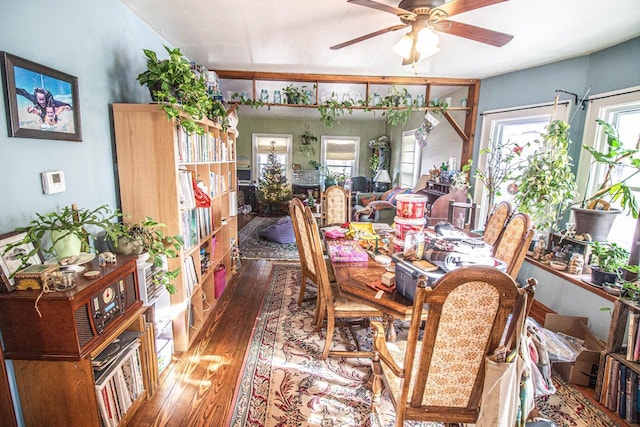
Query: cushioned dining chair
(514,242)
(440,377)
(335,307)
(336,205)
(496,222)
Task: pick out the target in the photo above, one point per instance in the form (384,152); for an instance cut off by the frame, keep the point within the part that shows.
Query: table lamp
(381,181)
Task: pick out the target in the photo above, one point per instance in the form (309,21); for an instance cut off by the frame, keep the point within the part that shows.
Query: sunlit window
(340,154)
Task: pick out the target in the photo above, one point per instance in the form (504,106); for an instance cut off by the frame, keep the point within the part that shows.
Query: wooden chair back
(336,205)
(442,376)
(440,208)
(468,210)
(496,222)
(303,241)
(514,242)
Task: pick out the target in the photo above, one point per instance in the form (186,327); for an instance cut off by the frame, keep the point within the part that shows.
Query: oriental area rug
(252,246)
(285,383)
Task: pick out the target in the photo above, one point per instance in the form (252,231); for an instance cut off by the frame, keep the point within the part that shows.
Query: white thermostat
(53,182)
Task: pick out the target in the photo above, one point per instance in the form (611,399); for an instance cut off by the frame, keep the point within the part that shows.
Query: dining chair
(496,222)
(439,377)
(336,205)
(468,212)
(336,308)
(514,243)
(439,210)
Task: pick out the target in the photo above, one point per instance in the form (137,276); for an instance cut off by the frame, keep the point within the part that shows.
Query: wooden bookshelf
(152,153)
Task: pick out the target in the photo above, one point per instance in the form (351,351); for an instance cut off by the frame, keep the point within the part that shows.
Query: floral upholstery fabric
(306,245)
(511,239)
(335,209)
(465,325)
(495,224)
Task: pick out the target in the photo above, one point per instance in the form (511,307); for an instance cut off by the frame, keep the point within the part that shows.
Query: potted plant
(296,95)
(595,215)
(178,90)
(148,236)
(545,185)
(66,233)
(607,262)
(308,139)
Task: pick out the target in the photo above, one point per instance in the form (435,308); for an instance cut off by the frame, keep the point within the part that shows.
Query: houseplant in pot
(595,215)
(545,184)
(177,89)
(66,233)
(148,236)
(608,262)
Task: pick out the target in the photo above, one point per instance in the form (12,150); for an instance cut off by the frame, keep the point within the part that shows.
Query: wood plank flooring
(200,386)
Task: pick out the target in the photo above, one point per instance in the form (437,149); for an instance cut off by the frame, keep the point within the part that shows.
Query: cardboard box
(580,371)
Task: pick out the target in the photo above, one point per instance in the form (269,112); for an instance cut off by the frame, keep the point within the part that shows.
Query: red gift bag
(219,280)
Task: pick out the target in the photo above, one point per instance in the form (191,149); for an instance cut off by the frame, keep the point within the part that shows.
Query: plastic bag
(561,347)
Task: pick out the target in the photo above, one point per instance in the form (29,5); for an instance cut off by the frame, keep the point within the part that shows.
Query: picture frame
(9,263)
(40,102)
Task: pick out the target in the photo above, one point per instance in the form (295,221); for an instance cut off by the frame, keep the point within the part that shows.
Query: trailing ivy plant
(331,109)
(177,89)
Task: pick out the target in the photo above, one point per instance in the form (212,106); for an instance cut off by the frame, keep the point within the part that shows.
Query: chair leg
(303,287)
(329,338)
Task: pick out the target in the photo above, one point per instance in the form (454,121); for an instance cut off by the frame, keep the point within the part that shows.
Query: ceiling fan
(425,17)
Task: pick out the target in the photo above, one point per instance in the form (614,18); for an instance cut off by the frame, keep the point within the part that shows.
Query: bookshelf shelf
(157,164)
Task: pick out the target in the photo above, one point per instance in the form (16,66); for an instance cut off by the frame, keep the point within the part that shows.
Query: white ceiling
(295,35)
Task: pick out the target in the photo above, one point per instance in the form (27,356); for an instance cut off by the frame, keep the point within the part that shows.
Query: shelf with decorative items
(338,96)
(186,181)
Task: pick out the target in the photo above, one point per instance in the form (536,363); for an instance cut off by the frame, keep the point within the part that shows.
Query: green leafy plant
(81,223)
(296,95)
(308,139)
(331,109)
(177,89)
(609,256)
(545,184)
(615,157)
(148,235)
(218,113)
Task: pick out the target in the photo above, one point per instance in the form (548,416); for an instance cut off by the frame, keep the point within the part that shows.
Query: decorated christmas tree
(273,188)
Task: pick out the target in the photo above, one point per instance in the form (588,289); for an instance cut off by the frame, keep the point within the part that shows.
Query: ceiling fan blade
(482,35)
(456,7)
(368,36)
(382,7)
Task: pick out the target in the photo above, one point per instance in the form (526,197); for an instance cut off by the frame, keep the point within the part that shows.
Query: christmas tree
(273,188)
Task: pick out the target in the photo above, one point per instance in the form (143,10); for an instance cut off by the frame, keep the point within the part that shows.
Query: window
(516,126)
(623,112)
(410,157)
(262,148)
(339,154)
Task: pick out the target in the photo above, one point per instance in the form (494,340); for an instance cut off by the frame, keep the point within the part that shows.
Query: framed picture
(10,261)
(41,102)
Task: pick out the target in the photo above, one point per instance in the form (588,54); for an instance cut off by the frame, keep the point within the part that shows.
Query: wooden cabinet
(156,163)
(434,190)
(52,347)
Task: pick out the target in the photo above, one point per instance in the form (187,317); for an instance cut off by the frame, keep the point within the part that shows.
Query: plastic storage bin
(407,277)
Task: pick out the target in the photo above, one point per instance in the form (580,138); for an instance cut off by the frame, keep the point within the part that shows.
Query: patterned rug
(252,246)
(285,383)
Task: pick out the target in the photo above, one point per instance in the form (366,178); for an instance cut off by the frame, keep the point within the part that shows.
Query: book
(622,391)
(632,332)
(631,415)
(346,251)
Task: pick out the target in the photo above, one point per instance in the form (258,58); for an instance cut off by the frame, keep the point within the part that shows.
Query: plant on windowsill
(595,215)
(177,89)
(608,262)
(545,185)
(148,236)
(66,233)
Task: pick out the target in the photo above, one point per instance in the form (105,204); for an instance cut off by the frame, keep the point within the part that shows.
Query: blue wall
(101,44)
(607,70)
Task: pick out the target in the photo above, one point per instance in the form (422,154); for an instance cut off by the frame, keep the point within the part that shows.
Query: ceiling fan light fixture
(427,42)
(403,46)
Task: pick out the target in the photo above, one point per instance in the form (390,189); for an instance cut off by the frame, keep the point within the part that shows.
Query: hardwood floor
(200,385)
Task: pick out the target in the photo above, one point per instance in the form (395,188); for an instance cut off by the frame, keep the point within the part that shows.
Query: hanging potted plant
(178,90)
(308,139)
(545,186)
(595,215)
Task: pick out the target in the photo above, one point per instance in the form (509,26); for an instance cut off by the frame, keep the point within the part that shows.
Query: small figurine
(106,257)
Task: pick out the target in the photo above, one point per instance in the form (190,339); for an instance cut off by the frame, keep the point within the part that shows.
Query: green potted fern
(177,89)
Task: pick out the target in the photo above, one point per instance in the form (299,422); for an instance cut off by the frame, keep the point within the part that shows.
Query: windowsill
(576,279)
